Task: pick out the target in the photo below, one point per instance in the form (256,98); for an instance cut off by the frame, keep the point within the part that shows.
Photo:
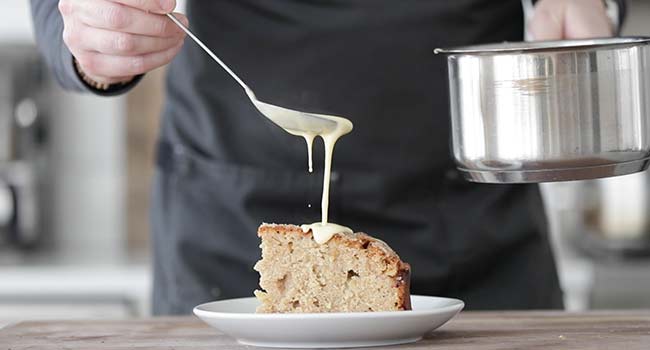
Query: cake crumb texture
(350,273)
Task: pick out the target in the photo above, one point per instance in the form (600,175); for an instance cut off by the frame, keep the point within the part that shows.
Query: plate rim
(457,306)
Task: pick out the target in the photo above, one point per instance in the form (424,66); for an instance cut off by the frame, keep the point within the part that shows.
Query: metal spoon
(288,119)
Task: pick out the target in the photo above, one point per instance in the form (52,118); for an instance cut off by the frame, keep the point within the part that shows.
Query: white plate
(237,318)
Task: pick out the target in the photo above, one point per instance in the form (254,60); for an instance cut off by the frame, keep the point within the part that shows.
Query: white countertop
(74,292)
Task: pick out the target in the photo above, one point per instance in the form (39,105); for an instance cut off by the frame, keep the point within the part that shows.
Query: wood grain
(470,330)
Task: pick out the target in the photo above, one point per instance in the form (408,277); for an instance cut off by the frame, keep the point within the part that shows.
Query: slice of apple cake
(352,272)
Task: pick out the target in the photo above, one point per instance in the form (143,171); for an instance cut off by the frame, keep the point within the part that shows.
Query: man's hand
(115,40)
(570,19)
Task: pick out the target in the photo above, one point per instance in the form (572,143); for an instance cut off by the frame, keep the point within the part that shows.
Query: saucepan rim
(545,46)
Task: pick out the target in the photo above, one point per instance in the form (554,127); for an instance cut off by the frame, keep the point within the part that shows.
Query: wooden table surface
(470,330)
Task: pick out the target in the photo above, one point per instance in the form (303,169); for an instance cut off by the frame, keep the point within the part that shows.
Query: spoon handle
(208,51)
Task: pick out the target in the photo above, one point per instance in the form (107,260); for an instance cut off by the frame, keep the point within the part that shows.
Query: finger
(155,6)
(113,16)
(105,80)
(99,64)
(585,21)
(547,24)
(120,44)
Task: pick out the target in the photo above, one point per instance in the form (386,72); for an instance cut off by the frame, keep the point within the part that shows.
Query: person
(222,169)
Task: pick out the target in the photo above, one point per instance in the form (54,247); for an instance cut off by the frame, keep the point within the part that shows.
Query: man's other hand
(570,19)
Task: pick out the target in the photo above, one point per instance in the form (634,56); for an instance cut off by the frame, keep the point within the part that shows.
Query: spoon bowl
(291,120)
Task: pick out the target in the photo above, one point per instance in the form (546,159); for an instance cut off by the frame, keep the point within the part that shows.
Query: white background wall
(85,273)
(87,143)
(15,21)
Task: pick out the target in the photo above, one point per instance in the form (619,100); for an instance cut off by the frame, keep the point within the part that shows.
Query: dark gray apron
(223,169)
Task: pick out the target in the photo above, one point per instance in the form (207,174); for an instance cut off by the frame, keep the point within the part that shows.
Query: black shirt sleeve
(48,29)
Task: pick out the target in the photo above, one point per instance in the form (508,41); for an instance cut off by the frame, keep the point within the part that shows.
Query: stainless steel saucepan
(550,111)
